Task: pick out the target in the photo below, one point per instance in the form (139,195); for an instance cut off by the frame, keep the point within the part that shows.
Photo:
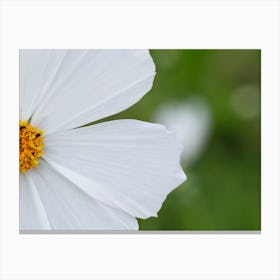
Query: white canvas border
(135,24)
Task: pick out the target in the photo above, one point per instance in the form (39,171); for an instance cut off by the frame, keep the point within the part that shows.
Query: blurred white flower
(98,177)
(192,122)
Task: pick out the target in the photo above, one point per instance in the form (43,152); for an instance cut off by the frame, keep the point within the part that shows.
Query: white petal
(192,121)
(38,70)
(32,212)
(69,208)
(128,164)
(90,85)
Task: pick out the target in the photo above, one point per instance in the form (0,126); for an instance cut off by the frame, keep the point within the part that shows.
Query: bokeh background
(212,99)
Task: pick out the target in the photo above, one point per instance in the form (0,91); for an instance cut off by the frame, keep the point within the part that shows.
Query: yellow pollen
(31,143)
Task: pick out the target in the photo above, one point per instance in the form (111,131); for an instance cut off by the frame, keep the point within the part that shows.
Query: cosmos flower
(191,119)
(96,177)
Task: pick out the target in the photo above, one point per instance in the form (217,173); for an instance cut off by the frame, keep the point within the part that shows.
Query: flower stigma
(31,143)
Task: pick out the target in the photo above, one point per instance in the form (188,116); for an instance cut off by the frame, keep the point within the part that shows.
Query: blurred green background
(223,189)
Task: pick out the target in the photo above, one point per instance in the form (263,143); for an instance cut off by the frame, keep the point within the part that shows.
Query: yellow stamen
(31,143)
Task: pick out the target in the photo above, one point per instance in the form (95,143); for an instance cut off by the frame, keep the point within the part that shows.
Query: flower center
(31,143)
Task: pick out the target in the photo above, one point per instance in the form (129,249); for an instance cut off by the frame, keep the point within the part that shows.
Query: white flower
(97,177)
(192,121)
